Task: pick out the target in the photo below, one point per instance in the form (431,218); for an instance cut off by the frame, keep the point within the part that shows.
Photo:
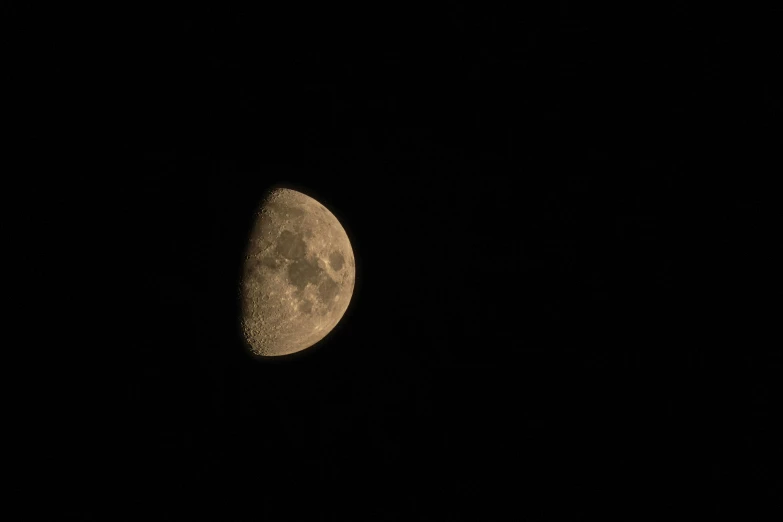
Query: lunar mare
(299,275)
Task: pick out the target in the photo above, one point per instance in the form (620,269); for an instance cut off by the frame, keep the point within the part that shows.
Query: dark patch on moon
(306,307)
(252,264)
(336,261)
(270,262)
(301,272)
(290,245)
(328,290)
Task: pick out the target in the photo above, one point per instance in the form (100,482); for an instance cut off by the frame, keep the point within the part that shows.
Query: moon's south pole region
(298,276)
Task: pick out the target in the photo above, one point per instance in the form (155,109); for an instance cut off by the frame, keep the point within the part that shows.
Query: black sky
(524,342)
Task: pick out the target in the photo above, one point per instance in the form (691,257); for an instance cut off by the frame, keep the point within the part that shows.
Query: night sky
(527,339)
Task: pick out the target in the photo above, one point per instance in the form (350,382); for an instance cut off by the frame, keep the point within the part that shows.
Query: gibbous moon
(298,277)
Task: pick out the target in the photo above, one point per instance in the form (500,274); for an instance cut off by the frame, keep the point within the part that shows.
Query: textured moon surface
(299,274)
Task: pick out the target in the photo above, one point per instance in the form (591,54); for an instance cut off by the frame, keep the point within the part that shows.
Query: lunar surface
(298,276)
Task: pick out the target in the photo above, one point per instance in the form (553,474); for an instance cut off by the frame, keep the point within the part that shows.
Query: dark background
(559,262)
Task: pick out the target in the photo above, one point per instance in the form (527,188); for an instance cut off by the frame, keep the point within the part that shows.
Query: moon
(298,275)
